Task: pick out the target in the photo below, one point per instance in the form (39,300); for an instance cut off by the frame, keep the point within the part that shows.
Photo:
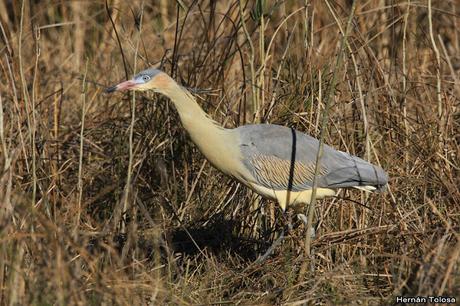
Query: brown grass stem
(131,126)
(254,88)
(80,158)
(178,231)
(324,119)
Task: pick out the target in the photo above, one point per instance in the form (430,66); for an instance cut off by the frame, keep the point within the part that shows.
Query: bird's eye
(146,78)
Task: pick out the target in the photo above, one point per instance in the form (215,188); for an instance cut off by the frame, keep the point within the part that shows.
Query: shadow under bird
(275,161)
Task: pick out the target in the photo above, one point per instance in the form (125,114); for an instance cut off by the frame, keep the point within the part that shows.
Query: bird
(275,161)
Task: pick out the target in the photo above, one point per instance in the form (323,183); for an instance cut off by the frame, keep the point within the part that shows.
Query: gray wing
(282,158)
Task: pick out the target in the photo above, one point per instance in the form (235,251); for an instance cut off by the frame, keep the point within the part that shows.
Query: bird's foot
(270,250)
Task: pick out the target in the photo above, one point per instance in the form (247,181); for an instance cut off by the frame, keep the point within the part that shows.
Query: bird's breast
(221,149)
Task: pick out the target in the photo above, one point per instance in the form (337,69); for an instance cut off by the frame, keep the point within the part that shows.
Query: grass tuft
(105,199)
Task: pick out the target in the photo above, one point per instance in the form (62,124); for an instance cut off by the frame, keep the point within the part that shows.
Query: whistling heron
(275,161)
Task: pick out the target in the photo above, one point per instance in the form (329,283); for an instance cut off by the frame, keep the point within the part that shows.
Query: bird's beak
(126,85)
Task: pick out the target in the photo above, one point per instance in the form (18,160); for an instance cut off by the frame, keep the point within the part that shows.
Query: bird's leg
(304,219)
(284,233)
(270,250)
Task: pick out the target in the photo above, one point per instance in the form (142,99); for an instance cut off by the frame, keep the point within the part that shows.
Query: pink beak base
(126,85)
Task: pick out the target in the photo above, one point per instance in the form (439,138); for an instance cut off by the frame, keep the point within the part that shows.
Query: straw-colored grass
(105,200)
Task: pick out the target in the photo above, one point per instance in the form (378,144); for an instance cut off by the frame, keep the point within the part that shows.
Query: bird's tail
(358,173)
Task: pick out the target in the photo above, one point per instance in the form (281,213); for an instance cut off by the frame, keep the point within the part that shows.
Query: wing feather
(284,159)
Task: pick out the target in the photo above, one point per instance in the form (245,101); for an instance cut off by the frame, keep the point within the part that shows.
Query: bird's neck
(218,145)
(194,119)
(212,139)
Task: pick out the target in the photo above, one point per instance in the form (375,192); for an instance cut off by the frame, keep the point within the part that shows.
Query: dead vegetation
(105,200)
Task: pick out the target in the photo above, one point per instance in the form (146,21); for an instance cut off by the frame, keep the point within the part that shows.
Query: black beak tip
(111,89)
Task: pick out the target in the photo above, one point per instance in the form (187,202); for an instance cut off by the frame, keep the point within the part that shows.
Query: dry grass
(107,201)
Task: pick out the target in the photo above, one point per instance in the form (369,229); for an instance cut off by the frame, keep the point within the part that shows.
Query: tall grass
(105,200)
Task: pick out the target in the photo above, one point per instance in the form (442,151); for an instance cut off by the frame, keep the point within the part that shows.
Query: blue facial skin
(140,78)
(147,75)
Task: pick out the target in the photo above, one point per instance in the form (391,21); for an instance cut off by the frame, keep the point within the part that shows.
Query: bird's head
(149,79)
